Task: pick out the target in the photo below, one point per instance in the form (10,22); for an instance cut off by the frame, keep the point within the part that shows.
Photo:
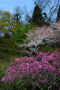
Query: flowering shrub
(44,68)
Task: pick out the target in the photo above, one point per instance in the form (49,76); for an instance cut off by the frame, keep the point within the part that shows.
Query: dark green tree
(58,15)
(37,17)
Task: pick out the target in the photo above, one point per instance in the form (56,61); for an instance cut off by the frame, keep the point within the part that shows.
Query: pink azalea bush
(43,68)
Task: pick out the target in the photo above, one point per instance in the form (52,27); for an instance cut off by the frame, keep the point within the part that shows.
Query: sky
(11,4)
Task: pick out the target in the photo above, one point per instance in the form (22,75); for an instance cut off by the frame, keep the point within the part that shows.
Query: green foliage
(8,22)
(5,21)
(7,47)
(49,47)
(20,35)
(4,63)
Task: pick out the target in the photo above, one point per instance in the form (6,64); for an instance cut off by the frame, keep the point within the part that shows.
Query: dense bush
(7,47)
(20,35)
(49,47)
(42,71)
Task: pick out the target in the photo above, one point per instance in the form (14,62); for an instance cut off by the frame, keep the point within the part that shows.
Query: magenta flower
(34,68)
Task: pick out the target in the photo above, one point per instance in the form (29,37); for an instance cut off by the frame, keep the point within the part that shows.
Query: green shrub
(7,47)
(49,47)
(20,35)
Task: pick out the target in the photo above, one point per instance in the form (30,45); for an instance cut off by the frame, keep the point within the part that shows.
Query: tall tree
(51,5)
(5,21)
(58,15)
(37,16)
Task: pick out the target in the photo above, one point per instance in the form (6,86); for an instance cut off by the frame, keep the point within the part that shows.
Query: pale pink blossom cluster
(37,68)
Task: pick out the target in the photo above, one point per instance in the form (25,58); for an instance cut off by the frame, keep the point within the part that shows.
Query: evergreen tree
(37,17)
(58,15)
